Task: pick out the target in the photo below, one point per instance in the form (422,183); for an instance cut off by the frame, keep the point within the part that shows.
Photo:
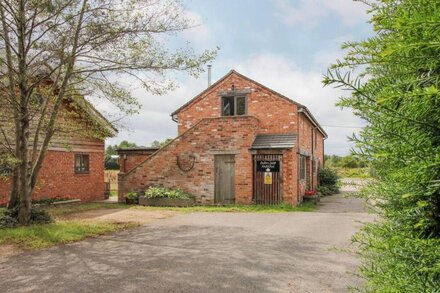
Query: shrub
(9,218)
(328,181)
(6,221)
(160,192)
(396,260)
(132,198)
(397,91)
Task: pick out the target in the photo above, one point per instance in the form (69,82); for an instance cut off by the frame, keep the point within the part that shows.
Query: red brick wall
(57,178)
(130,159)
(211,136)
(205,133)
(276,115)
(306,143)
(4,190)
(232,135)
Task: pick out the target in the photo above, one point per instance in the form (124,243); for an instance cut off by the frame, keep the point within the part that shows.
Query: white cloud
(277,72)
(305,87)
(154,120)
(311,12)
(200,34)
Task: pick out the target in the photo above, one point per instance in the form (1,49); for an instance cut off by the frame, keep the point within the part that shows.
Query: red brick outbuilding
(74,165)
(238,142)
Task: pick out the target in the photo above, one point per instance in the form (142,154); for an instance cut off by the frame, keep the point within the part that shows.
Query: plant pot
(310,193)
(130,201)
(166,202)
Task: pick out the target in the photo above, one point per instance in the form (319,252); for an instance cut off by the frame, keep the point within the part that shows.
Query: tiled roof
(274,141)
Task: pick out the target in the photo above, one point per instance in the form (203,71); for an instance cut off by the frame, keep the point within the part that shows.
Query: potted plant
(132,198)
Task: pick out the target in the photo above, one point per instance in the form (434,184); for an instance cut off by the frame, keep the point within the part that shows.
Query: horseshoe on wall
(192,159)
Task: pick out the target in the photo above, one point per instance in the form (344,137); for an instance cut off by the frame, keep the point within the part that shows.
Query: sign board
(267,177)
(268,166)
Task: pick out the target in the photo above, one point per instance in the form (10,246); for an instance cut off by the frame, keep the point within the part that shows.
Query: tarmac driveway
(204,252)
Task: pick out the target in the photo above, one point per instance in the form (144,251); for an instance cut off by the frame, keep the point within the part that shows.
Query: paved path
(203,252)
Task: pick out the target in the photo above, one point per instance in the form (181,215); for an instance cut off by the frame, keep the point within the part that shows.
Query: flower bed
(310,192)
(166,202)
(158,196)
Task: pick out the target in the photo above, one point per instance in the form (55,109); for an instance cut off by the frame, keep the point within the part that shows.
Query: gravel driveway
(204,252)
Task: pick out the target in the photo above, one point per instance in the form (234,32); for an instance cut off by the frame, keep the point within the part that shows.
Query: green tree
(111,150)
(81,47)
(394,81)
(349,162)
(159,144)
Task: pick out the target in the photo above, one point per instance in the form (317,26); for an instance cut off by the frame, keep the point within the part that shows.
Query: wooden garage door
(268,185)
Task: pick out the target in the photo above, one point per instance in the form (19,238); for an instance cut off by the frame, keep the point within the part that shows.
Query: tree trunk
(24,214)
(14,198)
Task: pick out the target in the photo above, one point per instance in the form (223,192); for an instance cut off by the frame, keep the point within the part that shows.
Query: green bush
(394,81)
(327,190)
(328,177)
(6,221)
(328,181)
(396,260)
(160,192)
(132,198)
(9,218)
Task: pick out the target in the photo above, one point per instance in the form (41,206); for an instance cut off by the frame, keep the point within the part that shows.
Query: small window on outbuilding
(302,167)
(233,105)
(82,164)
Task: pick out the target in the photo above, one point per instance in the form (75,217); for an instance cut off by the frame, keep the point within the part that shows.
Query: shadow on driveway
(200,252)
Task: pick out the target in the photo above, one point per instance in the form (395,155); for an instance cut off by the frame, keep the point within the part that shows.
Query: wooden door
(268,176)
(224,179)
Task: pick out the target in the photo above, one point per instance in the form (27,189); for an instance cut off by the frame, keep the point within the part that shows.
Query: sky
(286,45)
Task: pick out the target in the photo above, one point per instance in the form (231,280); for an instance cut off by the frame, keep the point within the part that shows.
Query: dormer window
(234,106)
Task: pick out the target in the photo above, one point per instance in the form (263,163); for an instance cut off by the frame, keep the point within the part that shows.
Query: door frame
(274,188)
(232,177)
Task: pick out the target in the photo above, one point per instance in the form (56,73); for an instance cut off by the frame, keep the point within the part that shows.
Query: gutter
(306,112)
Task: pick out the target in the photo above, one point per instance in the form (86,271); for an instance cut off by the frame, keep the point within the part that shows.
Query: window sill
(82,174)
(234,116)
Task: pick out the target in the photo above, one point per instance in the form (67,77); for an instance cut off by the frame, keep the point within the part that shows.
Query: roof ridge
(233,71)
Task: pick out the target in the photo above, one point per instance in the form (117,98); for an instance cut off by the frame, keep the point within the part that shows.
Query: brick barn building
(238,142)
(74,165)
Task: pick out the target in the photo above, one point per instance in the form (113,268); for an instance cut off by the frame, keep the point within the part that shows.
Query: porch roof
(274,141)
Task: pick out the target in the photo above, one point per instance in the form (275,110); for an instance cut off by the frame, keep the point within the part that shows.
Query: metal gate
(268,177)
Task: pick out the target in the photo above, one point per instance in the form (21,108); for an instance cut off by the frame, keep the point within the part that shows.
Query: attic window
(234,105)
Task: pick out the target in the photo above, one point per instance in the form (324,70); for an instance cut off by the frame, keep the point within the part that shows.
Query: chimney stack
(209,75)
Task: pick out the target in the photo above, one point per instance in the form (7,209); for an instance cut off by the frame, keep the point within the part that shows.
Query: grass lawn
(279,208)
(60,232)
(57,211)
(40,236)
(66,231)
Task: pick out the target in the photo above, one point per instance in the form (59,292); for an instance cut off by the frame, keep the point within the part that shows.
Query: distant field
(112,177)
(362,173)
